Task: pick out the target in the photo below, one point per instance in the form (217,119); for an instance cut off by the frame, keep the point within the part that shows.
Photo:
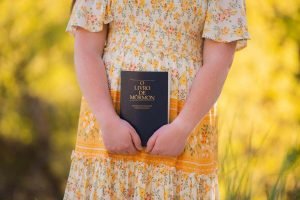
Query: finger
(131,149)
(151,142)
(136,139)
(134,136)
(128,150)
(154,150)
(130,146)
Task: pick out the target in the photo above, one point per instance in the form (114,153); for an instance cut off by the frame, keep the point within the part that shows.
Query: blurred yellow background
(259,108)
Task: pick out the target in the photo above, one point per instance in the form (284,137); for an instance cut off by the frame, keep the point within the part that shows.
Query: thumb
(136,139)
(151,142)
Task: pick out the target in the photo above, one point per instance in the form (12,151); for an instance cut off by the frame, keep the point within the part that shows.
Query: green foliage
(292,158)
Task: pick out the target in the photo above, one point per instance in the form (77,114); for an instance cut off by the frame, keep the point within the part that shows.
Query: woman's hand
(119,136)
(168,140)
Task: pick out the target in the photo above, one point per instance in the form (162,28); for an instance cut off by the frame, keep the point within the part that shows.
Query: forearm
(207,84)
(93,83)
(204,92)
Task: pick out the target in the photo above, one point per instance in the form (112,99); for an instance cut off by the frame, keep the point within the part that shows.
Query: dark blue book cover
(144,101)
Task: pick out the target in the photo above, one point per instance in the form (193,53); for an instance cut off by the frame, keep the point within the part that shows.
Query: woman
(195,40)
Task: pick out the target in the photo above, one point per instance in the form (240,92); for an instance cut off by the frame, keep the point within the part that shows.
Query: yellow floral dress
(157,35)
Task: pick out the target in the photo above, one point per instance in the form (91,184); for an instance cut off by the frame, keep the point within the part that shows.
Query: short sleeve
(90,15)
(226,21)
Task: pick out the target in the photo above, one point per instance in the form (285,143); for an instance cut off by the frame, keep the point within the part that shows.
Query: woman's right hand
(119,136)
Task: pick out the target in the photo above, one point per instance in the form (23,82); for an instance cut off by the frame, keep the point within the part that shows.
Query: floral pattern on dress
(90,14)
(99,177)
(164,35)
(226,21)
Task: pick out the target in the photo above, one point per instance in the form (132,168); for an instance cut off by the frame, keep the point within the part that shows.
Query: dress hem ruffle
(100,177)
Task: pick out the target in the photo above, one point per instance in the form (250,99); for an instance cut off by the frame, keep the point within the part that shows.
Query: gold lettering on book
(142,92)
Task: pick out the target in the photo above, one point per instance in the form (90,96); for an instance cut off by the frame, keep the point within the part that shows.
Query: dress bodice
(164,35)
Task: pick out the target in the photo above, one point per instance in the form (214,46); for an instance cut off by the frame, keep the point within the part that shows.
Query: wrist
(106,118)
(184,125)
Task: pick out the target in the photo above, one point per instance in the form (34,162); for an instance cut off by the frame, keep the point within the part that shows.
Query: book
(145,101)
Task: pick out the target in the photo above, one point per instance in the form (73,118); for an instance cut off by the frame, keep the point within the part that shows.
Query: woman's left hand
(168,140)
